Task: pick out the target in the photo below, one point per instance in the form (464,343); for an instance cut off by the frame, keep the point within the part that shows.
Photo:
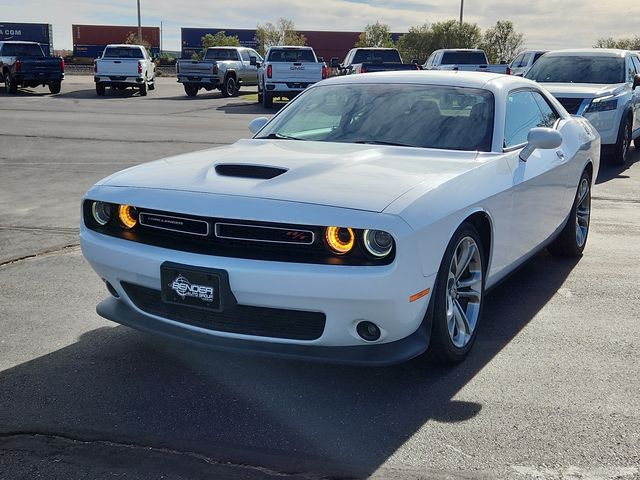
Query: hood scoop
(240,170)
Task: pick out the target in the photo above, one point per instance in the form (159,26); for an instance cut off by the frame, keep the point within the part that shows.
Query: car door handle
(560,154)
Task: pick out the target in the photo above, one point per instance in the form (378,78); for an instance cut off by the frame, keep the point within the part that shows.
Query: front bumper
(346,295)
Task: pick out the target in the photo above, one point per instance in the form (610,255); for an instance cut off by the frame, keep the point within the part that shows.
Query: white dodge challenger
(362,224)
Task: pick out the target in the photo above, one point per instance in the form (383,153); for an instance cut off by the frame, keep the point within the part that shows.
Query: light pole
(461,10)
(140,25)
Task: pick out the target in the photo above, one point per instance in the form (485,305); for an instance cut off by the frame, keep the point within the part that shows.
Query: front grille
(571,105)
(242,319)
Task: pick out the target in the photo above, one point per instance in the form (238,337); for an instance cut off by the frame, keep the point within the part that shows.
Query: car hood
(583,90)
(363,177)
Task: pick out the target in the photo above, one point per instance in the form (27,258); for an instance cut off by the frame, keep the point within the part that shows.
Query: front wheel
(573,237)
(459,292)
(55,87)
(624,141)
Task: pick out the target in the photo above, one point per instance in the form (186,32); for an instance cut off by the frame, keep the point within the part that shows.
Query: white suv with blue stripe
(599,84)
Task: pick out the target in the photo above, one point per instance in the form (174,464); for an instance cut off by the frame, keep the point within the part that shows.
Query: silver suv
(599,84)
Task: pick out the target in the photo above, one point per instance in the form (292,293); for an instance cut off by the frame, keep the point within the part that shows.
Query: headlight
(101,212)
(340,239)
(378,243)
(128,216)
(602,104)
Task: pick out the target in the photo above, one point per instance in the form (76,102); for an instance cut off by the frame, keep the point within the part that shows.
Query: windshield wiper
(381,142)
(281,136)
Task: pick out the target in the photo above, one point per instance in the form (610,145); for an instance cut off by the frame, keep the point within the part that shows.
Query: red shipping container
(106,34)
(330,44)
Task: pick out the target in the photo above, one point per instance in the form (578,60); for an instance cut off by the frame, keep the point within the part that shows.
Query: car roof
(589,52)
(120,45)
(21,42)
(297,47)
(481,80)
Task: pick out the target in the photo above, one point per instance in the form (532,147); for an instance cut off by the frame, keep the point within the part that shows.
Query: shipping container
(330,44)
(102,35)
(95,51)
(192,38)
(29,32)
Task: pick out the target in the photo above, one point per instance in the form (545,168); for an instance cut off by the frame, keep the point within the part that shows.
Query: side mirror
(320,59)
(253,61)
(415,61)
(636,81)
(334,62)
(257,123)
(543,138)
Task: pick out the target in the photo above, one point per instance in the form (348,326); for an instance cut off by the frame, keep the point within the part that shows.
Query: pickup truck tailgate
(41,66)
(120,67)
(194,67)
(303,72)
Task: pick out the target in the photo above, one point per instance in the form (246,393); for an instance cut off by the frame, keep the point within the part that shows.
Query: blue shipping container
(192,38)
(95,51)
(29,32)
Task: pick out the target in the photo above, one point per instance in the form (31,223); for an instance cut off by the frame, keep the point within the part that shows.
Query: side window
(636,63)
(631,70)
(525,60)
(253,53)
(430,60)
(245,55)
(523,114)
(517,61)
(549,115)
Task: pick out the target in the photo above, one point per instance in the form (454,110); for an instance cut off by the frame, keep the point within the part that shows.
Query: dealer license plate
(191,286)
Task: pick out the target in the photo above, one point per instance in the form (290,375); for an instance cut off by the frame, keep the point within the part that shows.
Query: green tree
(501,42)
(416,44)
(622,43)
(220,39)
(422,40)
(283,32)
(132,39)
(376,35)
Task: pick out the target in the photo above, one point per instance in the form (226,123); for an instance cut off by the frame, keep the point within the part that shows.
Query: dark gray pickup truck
(367,60)
(23,64)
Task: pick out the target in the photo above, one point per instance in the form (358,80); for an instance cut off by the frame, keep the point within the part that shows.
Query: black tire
(9,86)
(143,88)
(152,85)
(636,143)
(446,291)
(573,237)
(267,99)
(229,87)
(55,87)
(622,145)
(101,89)
(191,90)
(259,94)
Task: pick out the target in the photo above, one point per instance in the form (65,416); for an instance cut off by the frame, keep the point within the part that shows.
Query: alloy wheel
(583,212)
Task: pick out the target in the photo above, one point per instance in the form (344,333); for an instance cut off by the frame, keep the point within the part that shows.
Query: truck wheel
(267,99)
(9,86)
(228,88)
(191,90)
(55,87)
(101,89)
(143,88)
(259,95)
(152,85)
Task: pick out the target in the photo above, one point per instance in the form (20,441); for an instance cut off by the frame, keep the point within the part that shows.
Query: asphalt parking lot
(551,389)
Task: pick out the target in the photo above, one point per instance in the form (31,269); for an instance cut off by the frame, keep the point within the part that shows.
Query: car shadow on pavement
(110,93)
(122,386)
(609,172)
(211,95)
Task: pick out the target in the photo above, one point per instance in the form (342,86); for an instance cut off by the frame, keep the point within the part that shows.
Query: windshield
(578,69)
(22,50)
(123,52)
(376,56)
(464,58)
(428,116)
(221,54)
(291,55)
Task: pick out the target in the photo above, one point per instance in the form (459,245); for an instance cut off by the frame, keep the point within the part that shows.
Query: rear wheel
(624,141)
(267,99)
(100,89)
(229,86)
(55,87)
(9,85)
(143,88)
(458,296)
(573,237)
(152,85)
(190,90)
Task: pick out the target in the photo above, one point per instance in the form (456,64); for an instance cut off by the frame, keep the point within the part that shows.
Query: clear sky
(547,24)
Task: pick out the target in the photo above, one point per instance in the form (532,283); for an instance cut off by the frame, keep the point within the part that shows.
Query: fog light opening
(112,290)
(368,331)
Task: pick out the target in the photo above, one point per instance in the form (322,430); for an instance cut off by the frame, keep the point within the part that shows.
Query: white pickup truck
(123,66)
(287,71)
(463,59)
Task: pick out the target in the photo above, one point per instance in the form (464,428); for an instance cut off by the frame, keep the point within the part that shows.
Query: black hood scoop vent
(249,171)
